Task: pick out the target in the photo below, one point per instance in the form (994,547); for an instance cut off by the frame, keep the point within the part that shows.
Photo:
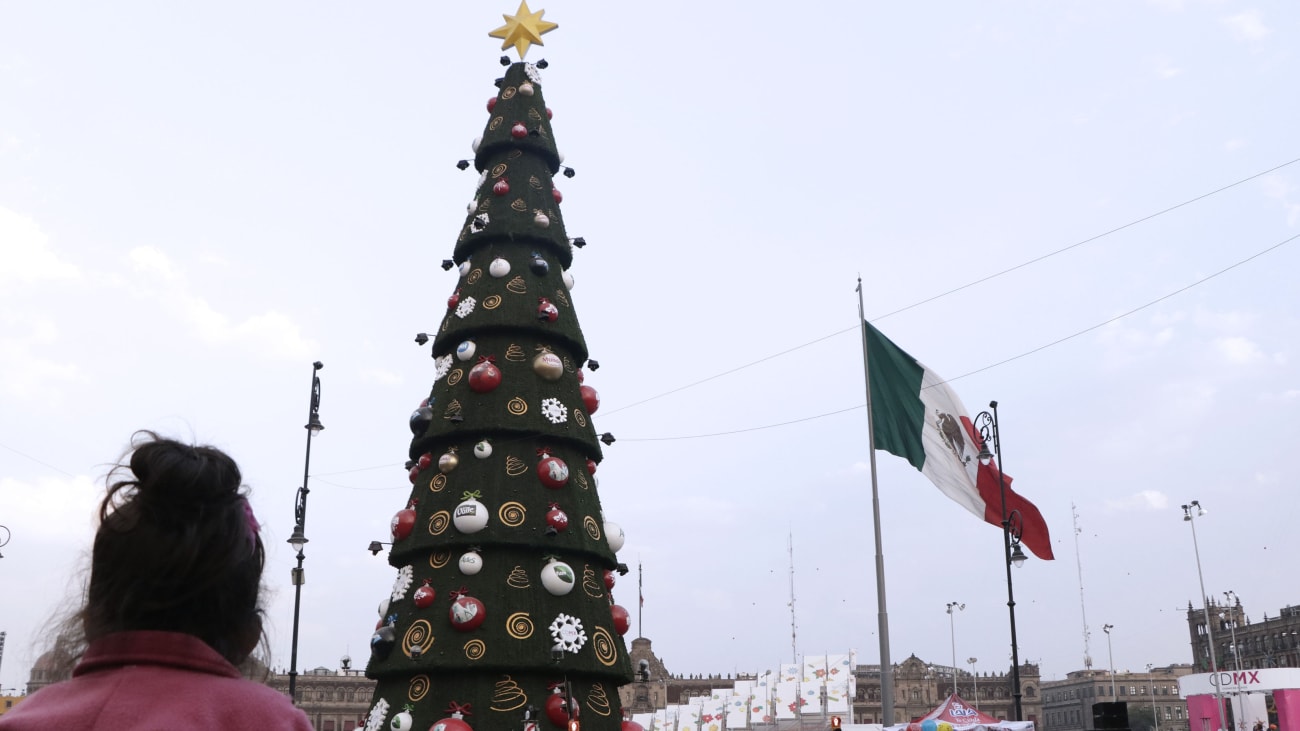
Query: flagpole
(640,596)
(886,668)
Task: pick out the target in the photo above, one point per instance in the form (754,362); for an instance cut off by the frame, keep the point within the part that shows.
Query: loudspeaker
(1110,716)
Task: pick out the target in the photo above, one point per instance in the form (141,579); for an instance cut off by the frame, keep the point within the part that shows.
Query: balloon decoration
(455,721)
(403,522)
(552,471)
(466,613)
(621,619)
(484,377)
(590,398)
(425,595)
(547,312)
(557,521)
(555,708)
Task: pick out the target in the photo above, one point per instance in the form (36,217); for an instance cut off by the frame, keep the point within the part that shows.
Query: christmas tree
(502,613)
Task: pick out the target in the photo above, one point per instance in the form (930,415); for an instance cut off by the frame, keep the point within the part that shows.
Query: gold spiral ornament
(517,406)
(515,466)
(491,302)
(515,354)
(519,625)
(475,649)
(593,528)
(507,695)
(418,689)
(496,122)
(602,643)
(508,92)
(454,377)
(534,115)
(581,480)
(438,559)
(512,514)
(438,483)
(485,205)
(518,579)
(438,522)
(560,296)
(568,365)
(514,154)
(533,182)
(517,286)
(579,417)
(498,170)
(419,635)
(519,205)
(598,700)
(474,276)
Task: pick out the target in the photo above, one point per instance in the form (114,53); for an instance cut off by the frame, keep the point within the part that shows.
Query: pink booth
(1244,694)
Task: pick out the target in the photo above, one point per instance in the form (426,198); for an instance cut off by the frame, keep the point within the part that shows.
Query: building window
(328,725)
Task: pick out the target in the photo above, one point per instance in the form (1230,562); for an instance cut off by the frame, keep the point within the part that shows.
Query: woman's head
(177,549)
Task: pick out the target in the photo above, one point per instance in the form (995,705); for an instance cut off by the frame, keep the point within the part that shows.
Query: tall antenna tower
(794,652)
(1083,608)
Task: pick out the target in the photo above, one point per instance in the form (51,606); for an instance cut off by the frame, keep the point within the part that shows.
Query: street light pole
(1155,714)
(299,538)
(1110,657)
(1190,516)
(954,607)
(1012,527)
(1231,619)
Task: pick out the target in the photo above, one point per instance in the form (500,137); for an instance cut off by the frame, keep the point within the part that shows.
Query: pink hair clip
(253,526)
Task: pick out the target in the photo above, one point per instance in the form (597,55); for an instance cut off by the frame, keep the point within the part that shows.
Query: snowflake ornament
(405,576)
(465,307)
(441,366)
(479,223)
(533,73)
(555,411)
(375,721)
(567,633)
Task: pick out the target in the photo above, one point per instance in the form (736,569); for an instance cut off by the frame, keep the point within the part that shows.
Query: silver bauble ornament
(558,578)
(499,267)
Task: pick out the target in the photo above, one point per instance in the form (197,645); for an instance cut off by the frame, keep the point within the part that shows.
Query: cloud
(149,260)
(1234,145)
(50,508)
(381,377)
(25,250)
(1143,500)
(1278,187)
(1247,26)
(24,374)
(1165,68)
(1239,350)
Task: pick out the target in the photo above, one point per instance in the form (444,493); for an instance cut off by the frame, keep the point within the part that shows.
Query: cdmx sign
(1243,677)
(1241,681)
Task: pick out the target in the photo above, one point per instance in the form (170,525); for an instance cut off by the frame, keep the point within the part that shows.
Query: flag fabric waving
(916,416)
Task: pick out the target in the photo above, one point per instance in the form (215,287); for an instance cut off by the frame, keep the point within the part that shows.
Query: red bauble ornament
(466,612)
(557,521)
(609,579)
(453,300)
(632,726)
(518,130)
(581,376)
(552,471)
(548,113)
(492,103)
(414,474)
(425,595)
(454,722)
(403,522)
(501,187)
(590,398)
(425,460)
(485,376)
(621,621)
(546,311)
(557,195)
(591,466)
(555,710)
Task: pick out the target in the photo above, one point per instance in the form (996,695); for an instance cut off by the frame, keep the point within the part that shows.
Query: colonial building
(1068,704)
(334,700)
(1273,642)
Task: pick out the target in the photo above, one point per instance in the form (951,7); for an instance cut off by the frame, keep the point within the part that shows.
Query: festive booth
(955,714)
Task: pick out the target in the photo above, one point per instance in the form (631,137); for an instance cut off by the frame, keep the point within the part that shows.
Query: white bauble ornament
(568,280)
(465,266)
(465,351)
(614,536)
(542,220)
(499,267)
(469,207)
(473,146)
(471,516)
(483,449)
(560,155)
(383,607)
(401,722)
(558,578)
(470,563)
(548,365)
(526,89)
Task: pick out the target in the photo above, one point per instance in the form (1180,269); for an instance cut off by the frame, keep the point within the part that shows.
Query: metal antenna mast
(1083,609)
(794,652)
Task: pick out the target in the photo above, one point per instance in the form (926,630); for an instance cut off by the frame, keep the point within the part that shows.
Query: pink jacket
(154,680)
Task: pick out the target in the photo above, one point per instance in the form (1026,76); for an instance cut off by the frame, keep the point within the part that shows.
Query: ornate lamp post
(953,608)
(1230,618)
(299,539)
(1190,516)
(1155,714)
(975,681)
(1110,656)
(1012,527)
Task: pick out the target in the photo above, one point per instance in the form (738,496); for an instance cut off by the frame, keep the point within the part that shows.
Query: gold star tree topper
(523,29)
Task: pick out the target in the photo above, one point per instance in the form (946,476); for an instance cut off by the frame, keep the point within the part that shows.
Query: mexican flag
(916,416)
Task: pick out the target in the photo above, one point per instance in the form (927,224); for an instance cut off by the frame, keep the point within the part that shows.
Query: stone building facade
(1068,704)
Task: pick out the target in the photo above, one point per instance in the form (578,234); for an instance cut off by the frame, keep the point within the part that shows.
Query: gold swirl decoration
(519,205)
(438,522)
(560,296)
(496,122)
(508,92)
(491,302)
(602,643)
(517,286)
(418,688)
(515,354)
(580,479)
(474,276)
(517,406)
(519,625)
(595,588)
(580,417)
(512,514)
(485,205)
(515,466)
(534,115)
(533,182)
(598,700)
(568,365)
(507,695)
(475,649)
(514,154)
(518,579)
(454,377)
(419,635)
(445,323)
(498,170)
(438,483)
(593,528)
(438,559)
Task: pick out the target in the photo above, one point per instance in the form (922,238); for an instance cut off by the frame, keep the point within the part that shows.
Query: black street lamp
(1012,528)
(299,539)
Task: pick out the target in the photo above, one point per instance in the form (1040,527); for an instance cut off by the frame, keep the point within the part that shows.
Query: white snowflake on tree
(465,307)
(533,73)
(441,366)
(555,411)
(375,721)
(568,634)
(405,577)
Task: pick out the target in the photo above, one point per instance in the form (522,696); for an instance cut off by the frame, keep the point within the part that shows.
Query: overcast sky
(196,202)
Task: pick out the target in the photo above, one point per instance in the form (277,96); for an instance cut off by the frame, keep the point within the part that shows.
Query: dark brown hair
(177,549)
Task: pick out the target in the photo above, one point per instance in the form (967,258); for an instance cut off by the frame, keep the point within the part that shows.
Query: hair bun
(169,472)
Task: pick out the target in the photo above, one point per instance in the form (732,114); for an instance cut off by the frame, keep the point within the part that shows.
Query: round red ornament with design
(555,709)
(557,521)
(424,461)
(453,300)
(425,595)
(591,466)
(557,195)
(518,130)
(590,398)
(621,620)
(546,311)
(485,376)
(501,187)
(492,103)
(403,522)
(632,726)
(454,722)
(609,579)
(414,474)
(552,471)
(466,613)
